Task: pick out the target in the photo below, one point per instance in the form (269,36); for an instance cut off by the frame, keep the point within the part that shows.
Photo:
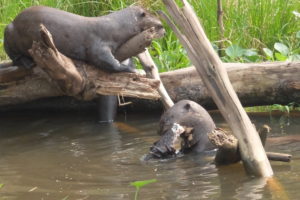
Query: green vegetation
(255,30)
(286,109)
(139,184)
(1,185)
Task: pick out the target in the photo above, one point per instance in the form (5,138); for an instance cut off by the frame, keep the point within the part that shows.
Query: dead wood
(228,147)
(255,83)
(152,72)
(214,75)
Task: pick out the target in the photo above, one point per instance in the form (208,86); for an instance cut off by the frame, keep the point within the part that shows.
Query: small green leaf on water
(282,48)
(1,185)
(139,184)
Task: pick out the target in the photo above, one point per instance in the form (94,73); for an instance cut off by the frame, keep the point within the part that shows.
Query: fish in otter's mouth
(170,144)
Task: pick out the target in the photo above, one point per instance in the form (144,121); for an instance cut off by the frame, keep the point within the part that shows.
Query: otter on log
(90,39)
(93,40)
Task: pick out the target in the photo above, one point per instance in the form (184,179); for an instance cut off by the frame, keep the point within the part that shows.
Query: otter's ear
(143,14)
(187,106)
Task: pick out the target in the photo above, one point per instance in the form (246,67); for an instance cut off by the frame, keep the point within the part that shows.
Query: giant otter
(187,126)
(90,39)
(197,123)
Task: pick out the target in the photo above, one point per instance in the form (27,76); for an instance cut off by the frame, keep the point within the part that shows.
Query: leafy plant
(235,53)
(139,184)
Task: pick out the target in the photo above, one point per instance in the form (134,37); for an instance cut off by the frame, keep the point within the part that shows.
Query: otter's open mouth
(170,144)
(158,31)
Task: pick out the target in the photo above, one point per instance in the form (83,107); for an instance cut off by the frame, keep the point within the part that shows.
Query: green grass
(249,24)
(276,107)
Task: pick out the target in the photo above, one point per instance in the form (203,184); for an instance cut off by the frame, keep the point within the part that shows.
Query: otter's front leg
(102,57)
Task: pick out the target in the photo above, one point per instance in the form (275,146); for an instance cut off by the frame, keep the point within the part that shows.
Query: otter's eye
(143,14)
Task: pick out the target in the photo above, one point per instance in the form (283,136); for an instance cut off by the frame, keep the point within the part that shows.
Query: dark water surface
(71,156)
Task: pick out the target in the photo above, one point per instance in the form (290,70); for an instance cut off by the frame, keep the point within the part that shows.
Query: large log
(255,83)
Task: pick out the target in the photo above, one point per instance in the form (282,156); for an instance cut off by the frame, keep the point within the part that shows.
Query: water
(71,156)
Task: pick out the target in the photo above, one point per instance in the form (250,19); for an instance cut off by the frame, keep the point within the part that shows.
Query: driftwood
(152,71)
(73,78)
(214,75)
(228,147)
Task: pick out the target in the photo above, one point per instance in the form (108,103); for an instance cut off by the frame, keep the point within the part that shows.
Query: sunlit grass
(276,107)
(248,23)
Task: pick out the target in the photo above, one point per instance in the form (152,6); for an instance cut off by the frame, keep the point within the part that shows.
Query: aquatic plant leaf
(234,51)
(295,57)
(282,48)
(249,52)
(139,184)
(296,14)
(268,52)
(280,57)
(298,35)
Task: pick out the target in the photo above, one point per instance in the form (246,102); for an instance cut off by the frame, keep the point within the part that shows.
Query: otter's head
(146,20)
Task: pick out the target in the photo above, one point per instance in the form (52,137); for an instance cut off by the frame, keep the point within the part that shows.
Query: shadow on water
(72,156)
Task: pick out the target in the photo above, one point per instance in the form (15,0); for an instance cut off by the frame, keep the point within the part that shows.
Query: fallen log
(57,75)
(256,84)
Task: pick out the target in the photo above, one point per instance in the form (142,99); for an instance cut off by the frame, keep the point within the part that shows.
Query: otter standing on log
(90,39)
(93,40)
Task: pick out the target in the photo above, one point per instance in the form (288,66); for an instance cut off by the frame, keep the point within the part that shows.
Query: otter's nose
(160,29)
(160,26)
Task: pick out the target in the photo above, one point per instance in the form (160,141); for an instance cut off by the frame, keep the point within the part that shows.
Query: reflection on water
(71,156)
